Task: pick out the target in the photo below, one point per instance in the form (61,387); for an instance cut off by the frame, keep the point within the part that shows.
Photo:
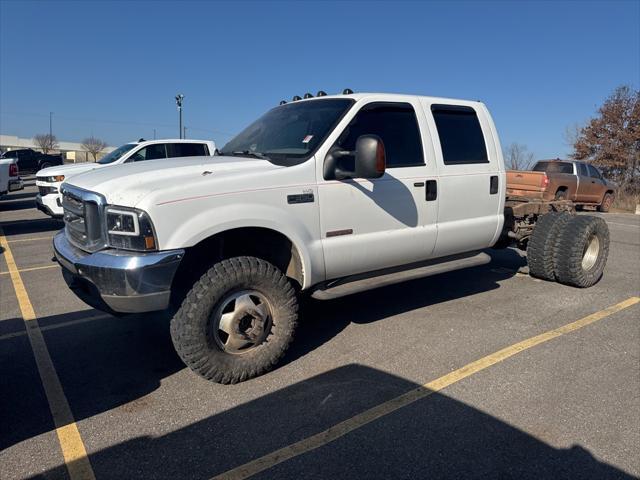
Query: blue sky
(111,69)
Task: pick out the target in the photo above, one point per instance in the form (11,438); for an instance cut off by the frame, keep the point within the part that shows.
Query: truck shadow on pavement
(17,204)
(107,363)
(323,320)
(20,196)
(37,225)
(434,437)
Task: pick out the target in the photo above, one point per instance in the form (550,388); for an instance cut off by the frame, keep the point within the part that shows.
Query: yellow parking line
(31,269)
(333,433)
(73,450)
(55,326)
(32,239)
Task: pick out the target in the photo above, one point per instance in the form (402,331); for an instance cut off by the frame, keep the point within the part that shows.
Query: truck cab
(31,161)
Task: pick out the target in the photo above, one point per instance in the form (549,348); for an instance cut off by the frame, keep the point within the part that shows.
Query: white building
(71,152)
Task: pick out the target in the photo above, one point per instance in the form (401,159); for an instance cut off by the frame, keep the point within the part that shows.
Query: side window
(582,170)
(396,124)
(186,150)
(460,134)
(594,173)
(150,152)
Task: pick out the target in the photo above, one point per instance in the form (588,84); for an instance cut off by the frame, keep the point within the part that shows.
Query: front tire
(607,201)
(237,321)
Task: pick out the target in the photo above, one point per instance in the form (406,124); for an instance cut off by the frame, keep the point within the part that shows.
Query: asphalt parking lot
(553,402)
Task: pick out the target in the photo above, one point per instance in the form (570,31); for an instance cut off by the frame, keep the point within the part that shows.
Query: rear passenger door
(471,181)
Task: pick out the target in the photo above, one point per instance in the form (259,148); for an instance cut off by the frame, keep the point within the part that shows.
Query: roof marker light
(296,98)
(347,91)
(282,102)
(308,95)
(321,93)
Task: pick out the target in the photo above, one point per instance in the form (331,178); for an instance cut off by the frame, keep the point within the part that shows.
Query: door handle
(493,185)
(431,191)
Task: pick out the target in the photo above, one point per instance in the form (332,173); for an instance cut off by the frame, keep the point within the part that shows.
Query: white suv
(48,180)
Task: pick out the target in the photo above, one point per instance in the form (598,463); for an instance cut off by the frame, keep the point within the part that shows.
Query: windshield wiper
(248,153)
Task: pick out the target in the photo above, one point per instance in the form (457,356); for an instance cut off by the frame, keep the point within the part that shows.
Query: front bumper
(50,205)
(118,280)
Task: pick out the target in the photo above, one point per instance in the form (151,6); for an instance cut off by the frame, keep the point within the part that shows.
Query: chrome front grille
(82,218)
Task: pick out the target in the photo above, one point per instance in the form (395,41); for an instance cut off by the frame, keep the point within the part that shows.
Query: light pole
(50,124)
(179,99)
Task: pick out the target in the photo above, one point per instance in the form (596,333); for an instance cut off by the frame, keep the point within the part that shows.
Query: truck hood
(129,183)
(69,170)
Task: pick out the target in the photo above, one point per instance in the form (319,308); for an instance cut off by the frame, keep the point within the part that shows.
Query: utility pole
(50,124)
(154,133)
(179,99)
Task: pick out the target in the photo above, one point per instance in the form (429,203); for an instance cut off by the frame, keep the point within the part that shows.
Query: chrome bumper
(118,280)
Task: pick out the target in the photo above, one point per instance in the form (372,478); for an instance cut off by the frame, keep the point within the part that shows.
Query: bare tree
(46,142)
(571,134)
(94,146)
(518,157)
(611,139)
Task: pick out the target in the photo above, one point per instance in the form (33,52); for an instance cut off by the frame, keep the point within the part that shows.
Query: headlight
(129,229)
(55,178)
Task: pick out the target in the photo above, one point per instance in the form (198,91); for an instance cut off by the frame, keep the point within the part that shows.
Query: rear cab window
(554,167)
(187,150)
(461,137)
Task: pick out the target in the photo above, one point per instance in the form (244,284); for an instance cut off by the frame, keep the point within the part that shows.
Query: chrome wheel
(591,252)
(241,322)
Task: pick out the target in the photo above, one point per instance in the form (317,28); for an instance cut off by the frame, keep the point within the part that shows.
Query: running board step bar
(381,278)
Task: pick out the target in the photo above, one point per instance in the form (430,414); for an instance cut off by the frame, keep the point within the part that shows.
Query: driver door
(370,224)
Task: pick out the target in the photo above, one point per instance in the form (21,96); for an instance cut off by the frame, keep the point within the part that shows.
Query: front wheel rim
(241,321)
(591,252)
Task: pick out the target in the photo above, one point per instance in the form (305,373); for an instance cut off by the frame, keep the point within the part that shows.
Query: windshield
(117,153)
(289,134)
(553,167)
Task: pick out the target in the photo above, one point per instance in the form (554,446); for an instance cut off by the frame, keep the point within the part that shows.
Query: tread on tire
(543,245)
(574,242)
(191,328)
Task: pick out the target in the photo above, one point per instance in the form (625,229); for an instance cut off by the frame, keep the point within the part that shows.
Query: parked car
(49,180)
(330,196)
(579,182)
(30,161)
(10,180)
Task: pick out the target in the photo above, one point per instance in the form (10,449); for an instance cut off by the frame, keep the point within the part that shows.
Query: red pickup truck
(579,182)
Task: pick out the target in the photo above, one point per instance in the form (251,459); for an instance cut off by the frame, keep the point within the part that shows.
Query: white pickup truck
(10,180)
(327,195)
(48,180)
